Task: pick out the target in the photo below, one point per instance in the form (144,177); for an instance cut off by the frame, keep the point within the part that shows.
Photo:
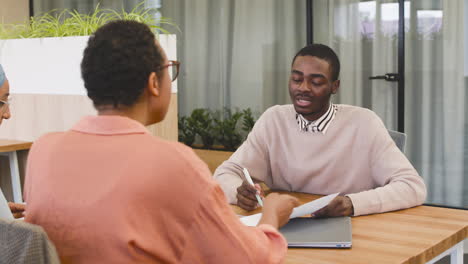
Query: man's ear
(153,84)
(335,86)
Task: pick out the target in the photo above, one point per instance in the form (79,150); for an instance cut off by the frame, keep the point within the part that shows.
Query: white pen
(249,180)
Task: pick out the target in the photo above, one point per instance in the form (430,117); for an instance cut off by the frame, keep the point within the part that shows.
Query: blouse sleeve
(216,235)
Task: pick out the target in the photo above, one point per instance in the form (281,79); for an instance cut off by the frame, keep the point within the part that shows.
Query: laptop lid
(5,212)
(318,233)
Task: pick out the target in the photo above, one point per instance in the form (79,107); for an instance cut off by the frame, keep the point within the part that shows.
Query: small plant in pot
(248,121)
(202,122)
(69,22)
(226,129)
(187,133)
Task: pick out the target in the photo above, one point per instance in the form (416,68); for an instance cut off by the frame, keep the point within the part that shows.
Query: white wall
(48,94)
(52,65)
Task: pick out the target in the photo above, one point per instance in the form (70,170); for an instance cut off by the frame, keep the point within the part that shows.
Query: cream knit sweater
(356,157)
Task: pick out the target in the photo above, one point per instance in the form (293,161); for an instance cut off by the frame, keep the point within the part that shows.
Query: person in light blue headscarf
(4,93)
(2,76)
(16,208)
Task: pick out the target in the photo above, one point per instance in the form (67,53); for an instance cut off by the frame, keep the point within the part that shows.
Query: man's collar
(109,125)
(319,125)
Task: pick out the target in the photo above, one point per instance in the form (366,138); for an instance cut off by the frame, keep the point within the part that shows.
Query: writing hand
(246,196)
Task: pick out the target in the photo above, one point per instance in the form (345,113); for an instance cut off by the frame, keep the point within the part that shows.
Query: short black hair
(322,52)
(117,62)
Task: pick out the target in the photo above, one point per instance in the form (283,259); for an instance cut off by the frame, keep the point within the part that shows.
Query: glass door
(436,115)
(432,74)
(365,35)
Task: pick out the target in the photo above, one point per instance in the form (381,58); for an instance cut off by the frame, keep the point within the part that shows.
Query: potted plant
(202,122)
(248,121)
(187,132)
(42,60)
(226,130)
(221,127)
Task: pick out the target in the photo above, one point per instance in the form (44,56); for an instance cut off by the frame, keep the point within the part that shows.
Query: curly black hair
(117,62)
(322,52)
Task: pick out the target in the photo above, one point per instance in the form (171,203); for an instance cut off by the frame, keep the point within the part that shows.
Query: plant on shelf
(202,122)
(187,132)
(66,23)
(226,129)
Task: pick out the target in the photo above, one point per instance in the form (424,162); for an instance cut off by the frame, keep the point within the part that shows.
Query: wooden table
(9,148)
(423,234)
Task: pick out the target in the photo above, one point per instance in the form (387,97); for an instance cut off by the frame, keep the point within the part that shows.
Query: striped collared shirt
(319,125)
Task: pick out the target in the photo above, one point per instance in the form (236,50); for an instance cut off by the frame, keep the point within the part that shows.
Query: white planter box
(52,65)
(46,86)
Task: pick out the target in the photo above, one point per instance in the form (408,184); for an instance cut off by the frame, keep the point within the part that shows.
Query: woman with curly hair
(107,191)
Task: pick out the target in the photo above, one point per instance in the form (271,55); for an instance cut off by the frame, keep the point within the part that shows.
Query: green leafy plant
(248,122)
(223,127)
(187,133)
(202,122)
(68,22)
(226,129)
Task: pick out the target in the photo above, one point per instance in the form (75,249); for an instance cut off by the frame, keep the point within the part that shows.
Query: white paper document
(5,212)
(308,208)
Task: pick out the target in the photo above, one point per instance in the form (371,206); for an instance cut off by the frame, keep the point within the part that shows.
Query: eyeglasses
(174,70)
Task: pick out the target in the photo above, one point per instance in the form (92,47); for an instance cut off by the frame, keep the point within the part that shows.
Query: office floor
(446,260)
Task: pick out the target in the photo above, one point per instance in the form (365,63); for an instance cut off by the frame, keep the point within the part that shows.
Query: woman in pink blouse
(107,191)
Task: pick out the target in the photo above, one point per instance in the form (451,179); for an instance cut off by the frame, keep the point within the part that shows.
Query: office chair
(24,243)
(399,138)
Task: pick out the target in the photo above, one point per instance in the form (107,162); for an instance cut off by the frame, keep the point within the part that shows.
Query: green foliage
(202,122)
(226,130)
(71,23)
(223,127)
(186,131)
(248,122)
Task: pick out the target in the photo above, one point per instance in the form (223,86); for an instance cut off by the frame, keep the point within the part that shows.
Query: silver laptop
(318,233)
(5,212)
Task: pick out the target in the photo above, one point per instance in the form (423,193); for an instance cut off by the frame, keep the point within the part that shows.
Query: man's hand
(246,196)
(340,206)
(17,209)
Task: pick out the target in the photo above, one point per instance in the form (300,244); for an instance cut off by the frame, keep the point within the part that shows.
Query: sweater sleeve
(252,154)
(400,185)
(217,236)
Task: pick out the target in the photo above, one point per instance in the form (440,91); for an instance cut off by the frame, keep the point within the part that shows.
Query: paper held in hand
(308,208)
(5,212)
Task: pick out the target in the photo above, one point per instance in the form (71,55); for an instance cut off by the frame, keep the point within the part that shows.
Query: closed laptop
(318,233)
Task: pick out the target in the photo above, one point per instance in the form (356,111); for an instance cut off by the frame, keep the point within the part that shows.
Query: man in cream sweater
(318,147)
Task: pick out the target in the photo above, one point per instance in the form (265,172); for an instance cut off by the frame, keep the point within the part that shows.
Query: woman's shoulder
(47,139)
(182,157)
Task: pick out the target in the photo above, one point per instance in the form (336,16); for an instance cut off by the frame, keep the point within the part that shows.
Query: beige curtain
(235,53)
(364,35)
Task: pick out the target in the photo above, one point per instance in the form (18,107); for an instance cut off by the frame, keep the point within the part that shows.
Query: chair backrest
(399,138)
(23,243)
